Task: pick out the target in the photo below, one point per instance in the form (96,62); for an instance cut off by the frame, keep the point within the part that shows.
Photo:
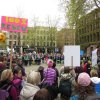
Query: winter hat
(84,79)
(50,63)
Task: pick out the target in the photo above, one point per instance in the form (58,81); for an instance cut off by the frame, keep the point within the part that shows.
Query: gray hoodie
(28,91)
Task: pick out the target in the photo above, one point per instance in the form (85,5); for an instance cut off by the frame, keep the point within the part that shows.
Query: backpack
(4,92)
(65,87)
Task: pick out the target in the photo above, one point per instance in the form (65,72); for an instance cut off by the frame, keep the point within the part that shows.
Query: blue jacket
(75,97)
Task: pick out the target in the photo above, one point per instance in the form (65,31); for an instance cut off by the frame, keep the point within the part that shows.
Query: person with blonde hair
(96,80)
(34,77)
(94,76)
(93,73)
(30,87)
(6,84)
(2,65)
(6,74)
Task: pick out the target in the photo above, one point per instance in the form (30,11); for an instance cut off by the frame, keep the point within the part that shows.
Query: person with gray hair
(30,87)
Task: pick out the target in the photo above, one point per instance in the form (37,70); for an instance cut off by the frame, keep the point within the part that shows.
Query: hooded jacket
(28,91)
(66,76)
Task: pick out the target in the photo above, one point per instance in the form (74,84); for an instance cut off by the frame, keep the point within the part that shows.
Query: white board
(72,52)
(94,57)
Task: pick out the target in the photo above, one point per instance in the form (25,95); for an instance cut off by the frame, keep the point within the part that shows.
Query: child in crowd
(17,79)
(20,64)
(40,70)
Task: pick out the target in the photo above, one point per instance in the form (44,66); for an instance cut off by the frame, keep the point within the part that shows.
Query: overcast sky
(32,8)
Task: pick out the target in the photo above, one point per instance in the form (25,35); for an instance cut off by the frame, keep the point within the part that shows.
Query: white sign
(72,56)
(94,57)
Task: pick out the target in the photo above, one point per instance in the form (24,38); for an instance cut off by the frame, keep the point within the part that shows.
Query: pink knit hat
(84,79)
(50,63)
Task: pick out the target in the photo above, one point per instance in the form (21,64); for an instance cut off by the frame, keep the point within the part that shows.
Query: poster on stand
(72,55)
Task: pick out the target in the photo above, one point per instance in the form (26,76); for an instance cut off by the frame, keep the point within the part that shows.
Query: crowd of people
(29,58)
(47,83)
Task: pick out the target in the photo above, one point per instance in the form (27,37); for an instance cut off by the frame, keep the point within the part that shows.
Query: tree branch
(95,1)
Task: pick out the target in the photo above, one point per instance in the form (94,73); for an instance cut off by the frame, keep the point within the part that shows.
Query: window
(37,43)
(14,42)
(10,43)
(10,36)
(47,43)
(44,43)
(98,14)
(97,25)
(98,36)
(85,38)
(91,27)
(90,37)
(95,16)
(94,37)
(54,44)
(23,36)
(15,36)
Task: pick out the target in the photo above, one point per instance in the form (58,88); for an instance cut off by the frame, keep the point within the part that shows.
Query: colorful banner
(13,24)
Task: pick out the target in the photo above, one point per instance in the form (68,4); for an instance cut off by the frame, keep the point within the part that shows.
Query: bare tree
(52,26)
(20,12)
(32,32)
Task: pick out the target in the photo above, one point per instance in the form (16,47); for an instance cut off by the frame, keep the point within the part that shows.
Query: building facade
(88,31)
(17,41)
(65,37)
(42,39)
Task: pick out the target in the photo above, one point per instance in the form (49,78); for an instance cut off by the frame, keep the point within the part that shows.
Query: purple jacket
(17,82)
(12,91)
(1,66)
(49,76)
